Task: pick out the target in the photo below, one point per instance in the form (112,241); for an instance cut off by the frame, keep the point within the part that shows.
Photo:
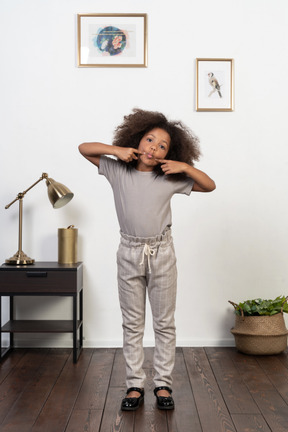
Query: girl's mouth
(149,155)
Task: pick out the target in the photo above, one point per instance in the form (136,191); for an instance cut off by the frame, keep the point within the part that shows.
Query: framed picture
(214,84)
(112,40)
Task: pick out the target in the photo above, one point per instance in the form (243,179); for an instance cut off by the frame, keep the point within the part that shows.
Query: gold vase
(67,245)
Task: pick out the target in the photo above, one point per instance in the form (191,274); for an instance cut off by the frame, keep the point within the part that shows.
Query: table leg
(4,351)
(81,318)
(74,329)
(11,319)
(0,326)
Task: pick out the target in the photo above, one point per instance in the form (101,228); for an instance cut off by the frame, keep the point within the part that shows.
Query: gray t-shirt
(142,199)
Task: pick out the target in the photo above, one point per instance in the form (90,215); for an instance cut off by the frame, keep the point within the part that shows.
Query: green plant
(259,306)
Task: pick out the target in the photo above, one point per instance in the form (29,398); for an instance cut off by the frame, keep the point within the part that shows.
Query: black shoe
(131,404)
(164,403)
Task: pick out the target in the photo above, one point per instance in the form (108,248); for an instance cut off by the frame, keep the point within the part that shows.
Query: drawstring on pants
(148,251)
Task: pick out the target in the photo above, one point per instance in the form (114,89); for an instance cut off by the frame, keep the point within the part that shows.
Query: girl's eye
(149,139)
(162,147)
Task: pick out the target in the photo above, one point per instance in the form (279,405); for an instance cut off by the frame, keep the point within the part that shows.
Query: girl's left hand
(202,182)
(172,167)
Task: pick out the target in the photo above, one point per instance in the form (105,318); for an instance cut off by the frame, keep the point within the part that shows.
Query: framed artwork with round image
(112,40)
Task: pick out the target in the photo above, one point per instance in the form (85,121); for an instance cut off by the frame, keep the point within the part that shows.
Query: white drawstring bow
(148,251)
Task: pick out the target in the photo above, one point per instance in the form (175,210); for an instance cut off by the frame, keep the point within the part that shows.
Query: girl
(154,160)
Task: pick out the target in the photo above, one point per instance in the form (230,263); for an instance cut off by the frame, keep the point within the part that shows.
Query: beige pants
(148,264)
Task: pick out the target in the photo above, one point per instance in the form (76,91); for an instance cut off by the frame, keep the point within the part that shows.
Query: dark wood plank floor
(215,390)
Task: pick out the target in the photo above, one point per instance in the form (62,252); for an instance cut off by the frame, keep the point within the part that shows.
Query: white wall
(231,244)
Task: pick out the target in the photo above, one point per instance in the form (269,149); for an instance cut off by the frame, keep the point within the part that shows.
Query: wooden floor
(215,390)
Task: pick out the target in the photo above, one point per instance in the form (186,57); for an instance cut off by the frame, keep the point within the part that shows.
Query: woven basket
(260,335)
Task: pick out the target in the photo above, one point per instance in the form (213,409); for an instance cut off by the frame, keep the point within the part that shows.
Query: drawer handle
(36,274)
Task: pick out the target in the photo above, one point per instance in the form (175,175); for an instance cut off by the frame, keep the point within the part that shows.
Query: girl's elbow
(213,186)
(81,149)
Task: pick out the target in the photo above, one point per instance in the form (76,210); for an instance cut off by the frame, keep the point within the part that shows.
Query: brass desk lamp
(59,195)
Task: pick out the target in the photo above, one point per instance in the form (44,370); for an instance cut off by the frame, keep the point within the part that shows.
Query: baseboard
(61,342)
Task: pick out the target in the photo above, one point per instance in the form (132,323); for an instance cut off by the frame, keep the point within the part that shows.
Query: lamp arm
(22,194)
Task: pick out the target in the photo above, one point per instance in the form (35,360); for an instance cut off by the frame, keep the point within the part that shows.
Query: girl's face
(154,145)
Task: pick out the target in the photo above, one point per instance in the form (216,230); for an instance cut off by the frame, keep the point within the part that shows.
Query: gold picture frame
(112,40)
(214,84)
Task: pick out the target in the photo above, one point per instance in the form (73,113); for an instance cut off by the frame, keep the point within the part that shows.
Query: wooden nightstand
(44,279)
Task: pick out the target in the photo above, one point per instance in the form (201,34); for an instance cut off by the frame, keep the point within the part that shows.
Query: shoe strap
(137,389)
(162,388)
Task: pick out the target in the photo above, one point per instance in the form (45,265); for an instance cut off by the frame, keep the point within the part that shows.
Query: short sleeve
(108,167)
(184,186)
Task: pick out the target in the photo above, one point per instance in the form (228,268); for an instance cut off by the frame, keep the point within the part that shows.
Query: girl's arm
(92,152)
(202,182)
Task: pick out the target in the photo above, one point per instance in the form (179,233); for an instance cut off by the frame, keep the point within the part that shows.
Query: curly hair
(184,145)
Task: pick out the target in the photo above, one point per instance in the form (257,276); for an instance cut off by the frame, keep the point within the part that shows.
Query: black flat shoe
(131,404)
(164,403)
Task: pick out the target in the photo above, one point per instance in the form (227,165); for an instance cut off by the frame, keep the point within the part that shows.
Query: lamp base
(20,258)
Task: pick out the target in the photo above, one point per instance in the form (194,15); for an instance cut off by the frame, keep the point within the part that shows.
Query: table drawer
(38,281)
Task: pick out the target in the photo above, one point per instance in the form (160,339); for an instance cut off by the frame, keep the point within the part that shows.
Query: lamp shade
(59,195)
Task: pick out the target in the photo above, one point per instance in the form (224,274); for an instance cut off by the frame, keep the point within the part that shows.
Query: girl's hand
(127,154)
(172,167)
(202,182)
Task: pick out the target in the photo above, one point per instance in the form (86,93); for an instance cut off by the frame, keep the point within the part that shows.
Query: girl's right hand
(127,154)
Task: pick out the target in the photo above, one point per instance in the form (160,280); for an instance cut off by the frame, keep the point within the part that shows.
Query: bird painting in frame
(214,84)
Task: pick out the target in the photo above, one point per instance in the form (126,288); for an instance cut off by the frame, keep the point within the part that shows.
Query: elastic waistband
(161,238)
